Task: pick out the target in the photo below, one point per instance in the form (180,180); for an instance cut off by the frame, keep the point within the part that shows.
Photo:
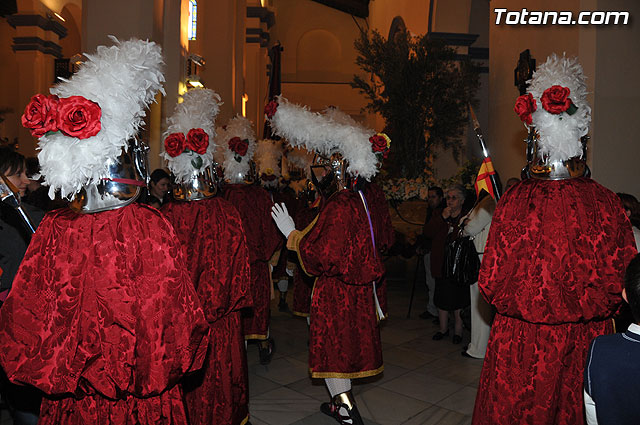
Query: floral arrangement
(74,116)
(402,189)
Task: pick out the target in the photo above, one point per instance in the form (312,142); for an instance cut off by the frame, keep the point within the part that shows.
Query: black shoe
(346,401)
(439,335)
(457,339)
(266,352)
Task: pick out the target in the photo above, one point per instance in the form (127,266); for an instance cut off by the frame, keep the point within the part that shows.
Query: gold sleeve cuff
(293,241)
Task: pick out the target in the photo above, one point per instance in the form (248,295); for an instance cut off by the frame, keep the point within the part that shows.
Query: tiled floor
(424,381)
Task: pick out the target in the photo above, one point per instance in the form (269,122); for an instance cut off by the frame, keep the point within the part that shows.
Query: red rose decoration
(79,117)
(270,109)
(239,146)
(380,144)
(555,99)
(40,115)
(175,144)
(197,140)
(525,106)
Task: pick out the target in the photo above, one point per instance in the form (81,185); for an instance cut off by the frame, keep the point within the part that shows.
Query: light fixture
(245,99)
(60,17)
(194,81)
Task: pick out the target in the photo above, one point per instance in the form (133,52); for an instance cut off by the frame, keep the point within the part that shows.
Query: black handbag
(461,262)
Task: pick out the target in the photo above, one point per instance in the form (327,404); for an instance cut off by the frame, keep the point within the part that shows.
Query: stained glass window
(193,19)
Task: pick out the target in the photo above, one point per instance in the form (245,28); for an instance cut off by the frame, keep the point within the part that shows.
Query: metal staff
(485,153)
(9,197)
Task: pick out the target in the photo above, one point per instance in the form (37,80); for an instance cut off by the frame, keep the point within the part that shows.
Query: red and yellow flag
(483,181)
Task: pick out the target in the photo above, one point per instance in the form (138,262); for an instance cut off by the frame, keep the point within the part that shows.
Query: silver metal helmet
(540,166)
(202,185)
(329,175)
(127,176)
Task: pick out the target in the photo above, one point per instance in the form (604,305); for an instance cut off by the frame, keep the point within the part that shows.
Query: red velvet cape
(103,317)
(263,239)
(218,260)
(553,268)
(344,333)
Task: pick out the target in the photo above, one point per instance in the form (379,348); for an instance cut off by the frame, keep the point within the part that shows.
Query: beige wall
(221,42)
(318,60)
(615,145)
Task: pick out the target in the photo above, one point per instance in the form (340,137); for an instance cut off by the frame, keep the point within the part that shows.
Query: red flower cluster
(74,116)
(379,144)
(270,109)
(525,106)
(556,100)
(197,141)
(239,146)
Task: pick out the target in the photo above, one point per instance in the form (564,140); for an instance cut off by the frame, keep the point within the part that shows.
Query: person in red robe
(553,265)
(339,247)
(210,230)
(102,316)
(236,145)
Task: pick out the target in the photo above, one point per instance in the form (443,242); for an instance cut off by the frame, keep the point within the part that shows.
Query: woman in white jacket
(476,225)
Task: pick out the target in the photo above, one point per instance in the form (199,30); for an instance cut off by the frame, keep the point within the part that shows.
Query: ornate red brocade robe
(553,268)
(337,248)
(263,239)
(217,258)
(103,318)
(383,229)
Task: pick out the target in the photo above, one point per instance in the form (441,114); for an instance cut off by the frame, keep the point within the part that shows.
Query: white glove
(283,219)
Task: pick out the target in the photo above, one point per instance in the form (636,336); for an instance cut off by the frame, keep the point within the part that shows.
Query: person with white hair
(553,264)
(102,316)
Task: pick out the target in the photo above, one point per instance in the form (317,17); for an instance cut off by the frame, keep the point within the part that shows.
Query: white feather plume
(198,109)
(241,127)
(267,157)
(322,134)
(123,79)
(560,133)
